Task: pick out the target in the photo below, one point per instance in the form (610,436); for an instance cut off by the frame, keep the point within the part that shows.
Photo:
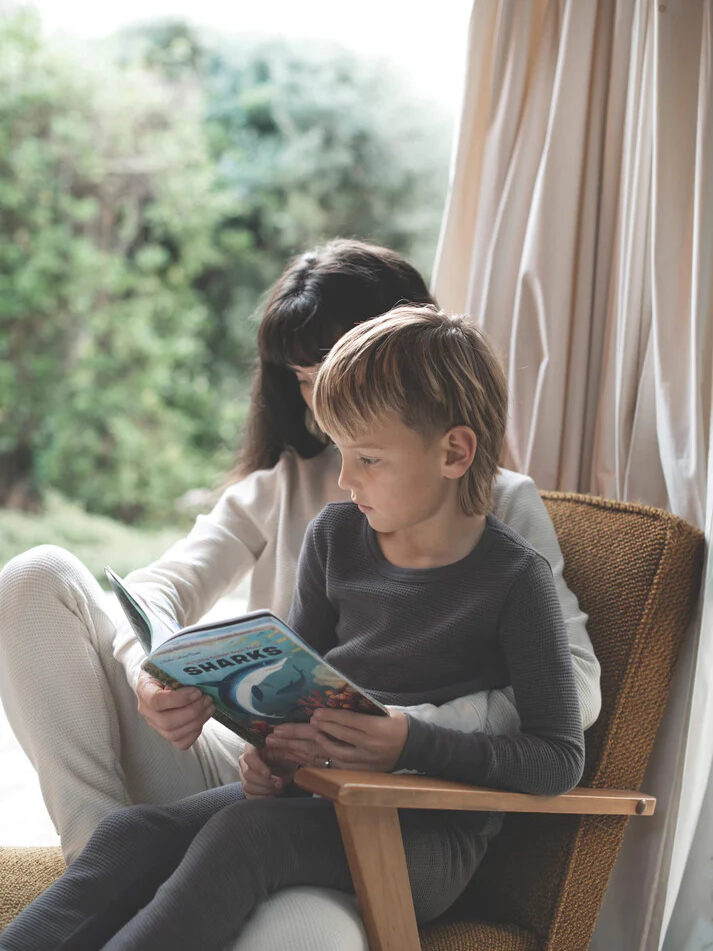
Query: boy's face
(394,475)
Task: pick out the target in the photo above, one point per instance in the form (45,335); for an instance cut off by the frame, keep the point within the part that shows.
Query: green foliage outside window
(147,201)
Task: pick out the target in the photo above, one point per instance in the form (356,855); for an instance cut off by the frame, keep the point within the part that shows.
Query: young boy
(413,592)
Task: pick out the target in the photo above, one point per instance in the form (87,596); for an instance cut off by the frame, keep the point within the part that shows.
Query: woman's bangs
(295,335)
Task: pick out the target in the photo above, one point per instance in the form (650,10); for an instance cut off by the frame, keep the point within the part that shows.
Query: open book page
(151,626)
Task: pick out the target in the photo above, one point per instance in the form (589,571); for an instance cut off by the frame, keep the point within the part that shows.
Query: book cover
(258,671)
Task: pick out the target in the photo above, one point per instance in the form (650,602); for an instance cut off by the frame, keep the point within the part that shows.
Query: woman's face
(305,378)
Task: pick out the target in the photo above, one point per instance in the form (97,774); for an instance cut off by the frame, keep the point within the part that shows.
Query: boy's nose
(345,480)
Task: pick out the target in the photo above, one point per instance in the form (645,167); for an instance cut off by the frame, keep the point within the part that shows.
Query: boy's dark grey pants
(188,874)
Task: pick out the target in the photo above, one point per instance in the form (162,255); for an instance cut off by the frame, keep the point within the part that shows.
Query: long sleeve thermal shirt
(257,528)
(412,636)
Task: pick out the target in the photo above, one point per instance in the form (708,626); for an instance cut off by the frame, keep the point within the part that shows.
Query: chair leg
(375,851)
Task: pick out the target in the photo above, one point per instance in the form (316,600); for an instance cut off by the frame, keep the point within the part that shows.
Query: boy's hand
(178,715)
(262,774)
(350,740)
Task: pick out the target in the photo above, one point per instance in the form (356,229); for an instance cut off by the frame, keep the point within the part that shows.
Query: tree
(147,204)
(310,142)
(110,203)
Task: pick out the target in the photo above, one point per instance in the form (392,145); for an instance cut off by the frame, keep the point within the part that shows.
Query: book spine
(244,734)
(161,675)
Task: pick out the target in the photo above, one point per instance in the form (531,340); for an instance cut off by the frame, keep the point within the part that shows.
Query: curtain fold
(579,234)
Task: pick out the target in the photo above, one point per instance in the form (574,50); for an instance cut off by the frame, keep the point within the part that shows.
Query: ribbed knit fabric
(66,669)
(427,635)
(258,525)
(67,698)
(637,571)
(305,918)
(188,875)
(191,873)
(70,705)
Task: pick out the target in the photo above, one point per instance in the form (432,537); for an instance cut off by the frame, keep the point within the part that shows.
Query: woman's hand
(348,740)
(297,744)
(263,775)
(178,715)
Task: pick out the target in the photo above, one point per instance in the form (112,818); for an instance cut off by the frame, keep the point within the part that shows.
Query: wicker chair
(636,571)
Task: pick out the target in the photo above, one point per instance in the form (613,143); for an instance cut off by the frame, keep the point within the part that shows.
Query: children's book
(258,671)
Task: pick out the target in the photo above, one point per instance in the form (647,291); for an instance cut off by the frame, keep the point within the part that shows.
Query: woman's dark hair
(320,296)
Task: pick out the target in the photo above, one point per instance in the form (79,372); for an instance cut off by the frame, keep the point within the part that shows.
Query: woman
(70,673)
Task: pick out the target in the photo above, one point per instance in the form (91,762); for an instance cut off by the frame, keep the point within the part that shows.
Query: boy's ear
(459,447)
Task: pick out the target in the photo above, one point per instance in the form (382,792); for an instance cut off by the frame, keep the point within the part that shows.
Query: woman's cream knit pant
(75,715)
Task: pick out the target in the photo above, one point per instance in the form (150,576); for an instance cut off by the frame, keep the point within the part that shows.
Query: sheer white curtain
(579,233)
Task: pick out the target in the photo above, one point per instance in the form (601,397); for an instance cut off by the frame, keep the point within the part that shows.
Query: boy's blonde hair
(433,371)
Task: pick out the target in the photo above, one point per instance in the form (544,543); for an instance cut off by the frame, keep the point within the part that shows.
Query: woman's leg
(130,854)
(70,705)
(252,848)
(304,918)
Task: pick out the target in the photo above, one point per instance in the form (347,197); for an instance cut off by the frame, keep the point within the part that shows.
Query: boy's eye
(367,460)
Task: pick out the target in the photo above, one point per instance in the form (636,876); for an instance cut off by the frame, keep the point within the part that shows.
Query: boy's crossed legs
(189,874)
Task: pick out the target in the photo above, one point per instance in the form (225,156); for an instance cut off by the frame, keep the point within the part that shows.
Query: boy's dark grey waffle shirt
(413,636)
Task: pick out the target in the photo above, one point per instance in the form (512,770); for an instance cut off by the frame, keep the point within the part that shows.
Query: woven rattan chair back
(636,572)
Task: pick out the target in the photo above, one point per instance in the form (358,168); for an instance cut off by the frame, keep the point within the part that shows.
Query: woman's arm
(547,755)
(517,502)
(487,711)
(195,572)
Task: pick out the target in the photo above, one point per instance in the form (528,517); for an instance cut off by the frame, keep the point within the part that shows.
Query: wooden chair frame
(367,807)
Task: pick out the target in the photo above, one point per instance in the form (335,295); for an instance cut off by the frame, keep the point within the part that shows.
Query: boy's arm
(547,756)
(312,615)
(517,502)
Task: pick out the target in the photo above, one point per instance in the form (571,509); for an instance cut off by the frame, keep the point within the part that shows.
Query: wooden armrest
(408,791)
(366,806)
